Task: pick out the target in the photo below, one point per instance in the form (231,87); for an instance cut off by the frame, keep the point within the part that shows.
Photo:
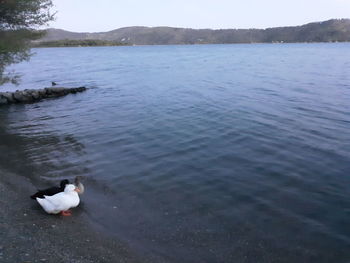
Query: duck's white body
(61,201)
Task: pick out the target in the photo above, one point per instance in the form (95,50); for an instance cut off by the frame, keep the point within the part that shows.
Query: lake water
(205,153)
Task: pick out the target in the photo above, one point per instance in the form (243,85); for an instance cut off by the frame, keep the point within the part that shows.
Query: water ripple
(212,152)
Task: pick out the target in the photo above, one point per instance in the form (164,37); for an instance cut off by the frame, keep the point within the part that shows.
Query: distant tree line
(335,30)
(77,43)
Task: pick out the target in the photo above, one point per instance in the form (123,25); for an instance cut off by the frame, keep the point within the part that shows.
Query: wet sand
(28,234)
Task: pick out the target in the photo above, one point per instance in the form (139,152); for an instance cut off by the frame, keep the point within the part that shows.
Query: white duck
(61,202)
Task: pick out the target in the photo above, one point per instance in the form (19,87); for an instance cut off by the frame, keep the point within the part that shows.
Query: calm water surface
(211,153)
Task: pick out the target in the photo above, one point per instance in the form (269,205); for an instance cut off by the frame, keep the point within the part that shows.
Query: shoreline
(203,44)
(31,235)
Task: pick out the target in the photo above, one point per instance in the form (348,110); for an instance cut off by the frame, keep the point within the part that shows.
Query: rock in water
(3,100)
(8,96)
(32,95)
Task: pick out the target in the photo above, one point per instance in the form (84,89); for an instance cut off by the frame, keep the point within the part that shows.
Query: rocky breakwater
(33,95)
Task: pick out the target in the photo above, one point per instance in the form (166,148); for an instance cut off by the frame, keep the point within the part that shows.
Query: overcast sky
(104,15)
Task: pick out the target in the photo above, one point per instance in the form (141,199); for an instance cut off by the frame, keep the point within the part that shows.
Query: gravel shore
(28,234)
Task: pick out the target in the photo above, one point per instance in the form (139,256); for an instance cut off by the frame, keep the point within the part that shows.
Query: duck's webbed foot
(66,213)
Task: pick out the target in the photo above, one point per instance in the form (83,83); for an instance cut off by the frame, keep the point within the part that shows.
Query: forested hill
(328,31)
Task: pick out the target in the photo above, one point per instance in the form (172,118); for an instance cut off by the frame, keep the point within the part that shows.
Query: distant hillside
(328,31)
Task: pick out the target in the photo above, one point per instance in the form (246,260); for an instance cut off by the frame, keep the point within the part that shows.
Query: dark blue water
(210,153)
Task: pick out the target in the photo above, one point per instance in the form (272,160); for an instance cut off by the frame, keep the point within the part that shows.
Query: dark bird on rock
(50,191)
(53,83)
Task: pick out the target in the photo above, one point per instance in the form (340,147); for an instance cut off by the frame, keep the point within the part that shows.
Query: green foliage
(18,21)
(78,43)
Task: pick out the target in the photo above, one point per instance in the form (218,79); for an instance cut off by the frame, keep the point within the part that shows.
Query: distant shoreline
(334,30)
(200,44)
(77,43)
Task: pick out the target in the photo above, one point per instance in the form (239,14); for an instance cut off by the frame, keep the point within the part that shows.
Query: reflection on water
(30,149)
(227,153)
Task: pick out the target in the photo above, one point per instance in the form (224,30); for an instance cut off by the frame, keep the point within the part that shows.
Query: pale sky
(105,15)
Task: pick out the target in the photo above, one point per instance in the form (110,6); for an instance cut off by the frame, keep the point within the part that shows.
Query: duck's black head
(63,183)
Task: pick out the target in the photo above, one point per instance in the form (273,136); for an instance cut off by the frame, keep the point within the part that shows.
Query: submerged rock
(32,95)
